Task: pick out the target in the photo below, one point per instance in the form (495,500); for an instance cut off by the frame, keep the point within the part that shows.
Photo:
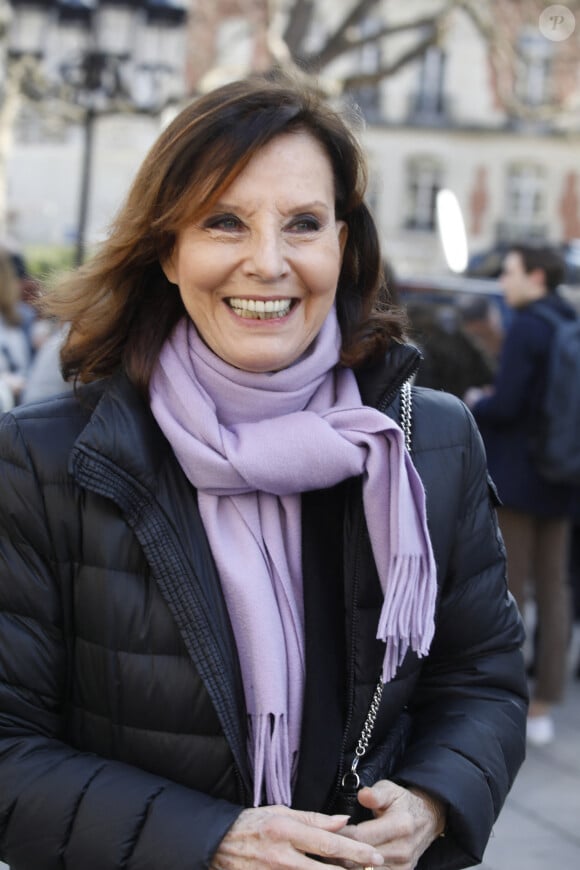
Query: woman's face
(258,273)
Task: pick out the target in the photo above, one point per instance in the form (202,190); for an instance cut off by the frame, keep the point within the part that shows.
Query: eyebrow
(300,207)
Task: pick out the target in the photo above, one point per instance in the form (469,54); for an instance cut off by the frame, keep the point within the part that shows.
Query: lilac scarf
(250,443)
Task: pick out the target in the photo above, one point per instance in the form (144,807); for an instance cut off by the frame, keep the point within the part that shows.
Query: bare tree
(349,37)
(499,24)
(289,26)
(293,26)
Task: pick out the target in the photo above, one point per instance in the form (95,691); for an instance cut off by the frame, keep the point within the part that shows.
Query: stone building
(473,114)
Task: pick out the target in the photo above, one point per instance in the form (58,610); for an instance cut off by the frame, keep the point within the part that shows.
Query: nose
(266,258)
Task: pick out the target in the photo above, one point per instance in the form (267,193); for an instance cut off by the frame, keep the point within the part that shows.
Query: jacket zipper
(350,665)
(388,397)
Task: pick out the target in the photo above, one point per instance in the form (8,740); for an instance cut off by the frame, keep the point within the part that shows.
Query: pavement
(539,826)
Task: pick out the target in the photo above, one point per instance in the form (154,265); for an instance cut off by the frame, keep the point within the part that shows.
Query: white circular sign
(557,23)
(452,230)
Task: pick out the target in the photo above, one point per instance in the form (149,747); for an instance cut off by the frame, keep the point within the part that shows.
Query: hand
(474,394)
(278,838)
(16,383)
(406,822)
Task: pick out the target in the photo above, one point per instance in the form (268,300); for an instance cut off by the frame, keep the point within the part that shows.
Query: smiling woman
(214,549)
(192,190)
(258,273)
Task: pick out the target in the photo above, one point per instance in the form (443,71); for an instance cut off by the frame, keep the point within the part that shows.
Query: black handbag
(368,767)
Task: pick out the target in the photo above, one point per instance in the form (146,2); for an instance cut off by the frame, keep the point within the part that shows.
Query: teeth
(260,309)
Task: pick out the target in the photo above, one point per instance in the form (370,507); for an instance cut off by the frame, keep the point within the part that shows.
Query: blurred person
(452,359)
(44,375)
(482,321)
(220,569)
(575,577)
(28,293)
(14,347)
(535,514)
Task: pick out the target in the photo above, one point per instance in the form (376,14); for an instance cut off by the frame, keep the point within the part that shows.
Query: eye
(305,223)
(226,222)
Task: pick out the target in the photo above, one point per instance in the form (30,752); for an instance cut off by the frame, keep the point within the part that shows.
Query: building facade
(475,114)
(448,121)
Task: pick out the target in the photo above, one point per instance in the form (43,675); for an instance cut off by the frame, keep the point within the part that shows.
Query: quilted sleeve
(60,807)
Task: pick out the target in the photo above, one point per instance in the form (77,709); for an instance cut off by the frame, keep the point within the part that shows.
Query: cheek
(199,281)
(323,271)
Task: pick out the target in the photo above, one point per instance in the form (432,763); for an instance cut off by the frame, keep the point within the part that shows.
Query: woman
(213,552)
(14,349)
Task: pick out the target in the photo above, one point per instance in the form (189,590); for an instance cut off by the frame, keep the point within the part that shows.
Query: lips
(260,309)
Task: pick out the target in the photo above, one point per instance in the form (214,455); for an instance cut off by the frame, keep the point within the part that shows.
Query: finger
(320,820)
(377,832)
(380,796)
(330,823)
(327,844)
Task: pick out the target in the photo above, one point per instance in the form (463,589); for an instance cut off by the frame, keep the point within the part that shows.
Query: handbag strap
(351,778)
(406,414)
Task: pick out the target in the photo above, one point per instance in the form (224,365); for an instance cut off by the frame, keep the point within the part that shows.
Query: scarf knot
(251,443)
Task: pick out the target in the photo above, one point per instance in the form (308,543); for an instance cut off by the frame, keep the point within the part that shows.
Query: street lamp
(105,57)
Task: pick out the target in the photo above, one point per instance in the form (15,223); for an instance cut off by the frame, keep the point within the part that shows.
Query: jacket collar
(379,382)
(122,428)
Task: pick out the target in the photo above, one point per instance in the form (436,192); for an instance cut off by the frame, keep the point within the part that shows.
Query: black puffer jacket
(121,706)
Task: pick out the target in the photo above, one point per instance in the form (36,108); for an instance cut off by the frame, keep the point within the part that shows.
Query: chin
(261,367)
(262,363)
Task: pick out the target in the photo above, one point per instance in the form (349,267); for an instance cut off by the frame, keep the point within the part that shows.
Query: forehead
(298,153)
(513,262)
(290,166)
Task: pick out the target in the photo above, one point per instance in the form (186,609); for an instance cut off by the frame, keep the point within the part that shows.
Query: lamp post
(105,57)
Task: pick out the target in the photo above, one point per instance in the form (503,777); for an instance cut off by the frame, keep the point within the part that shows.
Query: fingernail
(378,859)
(343,819)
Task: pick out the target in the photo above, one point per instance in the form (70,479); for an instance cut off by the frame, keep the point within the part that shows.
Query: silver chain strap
(406,413)
(351,779)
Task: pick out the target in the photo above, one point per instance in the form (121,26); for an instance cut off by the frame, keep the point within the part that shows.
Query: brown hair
(9,290)
(543,257)
(121,307)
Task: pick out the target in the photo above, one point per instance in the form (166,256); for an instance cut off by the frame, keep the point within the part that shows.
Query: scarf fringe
(407,613)
(268,742)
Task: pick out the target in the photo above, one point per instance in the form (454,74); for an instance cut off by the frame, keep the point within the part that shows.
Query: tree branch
(391,30)
(383,71)
(298,24)
(338,41)
(504,55)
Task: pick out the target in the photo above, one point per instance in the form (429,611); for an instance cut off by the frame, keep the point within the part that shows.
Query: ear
(169,269)
(342,228)
(537,278)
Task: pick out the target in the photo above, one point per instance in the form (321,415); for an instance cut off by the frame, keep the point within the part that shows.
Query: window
(430,96)
(534,67)
(429,103)
(368,60)
(525,202)
(424,176)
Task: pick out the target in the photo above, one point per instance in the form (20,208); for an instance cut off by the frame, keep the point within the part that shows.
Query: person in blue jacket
(227,574)
(535,514)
